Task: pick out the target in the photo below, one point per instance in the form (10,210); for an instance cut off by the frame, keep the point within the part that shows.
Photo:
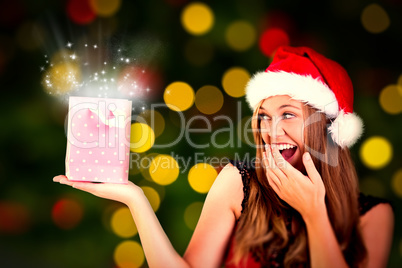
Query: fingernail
(307,156)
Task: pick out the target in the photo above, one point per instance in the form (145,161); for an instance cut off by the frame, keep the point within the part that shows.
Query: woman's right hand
(118,192)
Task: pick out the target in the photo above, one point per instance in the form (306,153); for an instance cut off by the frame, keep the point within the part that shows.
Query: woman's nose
(276,128)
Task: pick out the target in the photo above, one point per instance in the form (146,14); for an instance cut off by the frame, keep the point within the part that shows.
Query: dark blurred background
(43,224)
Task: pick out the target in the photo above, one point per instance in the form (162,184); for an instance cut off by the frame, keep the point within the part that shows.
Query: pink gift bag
(98,140)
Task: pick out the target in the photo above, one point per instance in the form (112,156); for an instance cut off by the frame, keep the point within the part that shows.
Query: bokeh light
(67,213)
(142,137)
(192,214)
(198,52)
(14,218)
(375,19)
(397,183)
(208,99)
(197,18)
(129,254)
(376,152)
(240,35)
(201,177)
(154,119)
(62,78)
(105,8)
(152,196)
(122,223)
(80,11)
(144,163)
(271,40)
(179,96)
(164,169)
(138,82)
(234,81)
(391,99)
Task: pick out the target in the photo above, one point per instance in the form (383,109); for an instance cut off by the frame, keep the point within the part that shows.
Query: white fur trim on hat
(303,88)
(346,129)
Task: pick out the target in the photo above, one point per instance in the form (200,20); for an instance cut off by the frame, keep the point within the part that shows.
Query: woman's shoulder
(232,183)
(368,202)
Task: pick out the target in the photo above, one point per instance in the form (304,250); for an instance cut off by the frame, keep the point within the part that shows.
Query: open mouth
(287,150)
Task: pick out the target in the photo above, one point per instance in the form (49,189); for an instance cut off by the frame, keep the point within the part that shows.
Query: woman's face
(281,123)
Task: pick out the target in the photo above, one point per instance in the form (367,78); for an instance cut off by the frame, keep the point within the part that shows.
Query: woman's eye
(264,117)
(288,115)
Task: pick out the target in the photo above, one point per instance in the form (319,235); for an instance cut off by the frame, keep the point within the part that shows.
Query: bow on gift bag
(98,139)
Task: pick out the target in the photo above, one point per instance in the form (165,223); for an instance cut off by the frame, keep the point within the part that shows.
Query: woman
(298,204)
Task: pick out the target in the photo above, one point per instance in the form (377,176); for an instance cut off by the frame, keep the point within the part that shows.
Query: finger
(64,180)
(58,178)
(265,160)
(271,161)
(279,160)
(274,185)
(310,168)
(277,165)
(271,176)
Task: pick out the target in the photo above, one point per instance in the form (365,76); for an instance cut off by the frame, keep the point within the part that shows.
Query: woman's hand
(306,194)
(118,192)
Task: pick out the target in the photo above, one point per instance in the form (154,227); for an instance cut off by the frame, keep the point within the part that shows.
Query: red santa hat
(308,76)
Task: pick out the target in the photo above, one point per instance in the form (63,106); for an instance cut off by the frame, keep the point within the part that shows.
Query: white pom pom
(346,129)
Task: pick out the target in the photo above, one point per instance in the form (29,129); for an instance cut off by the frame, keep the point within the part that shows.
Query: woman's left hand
(306,194)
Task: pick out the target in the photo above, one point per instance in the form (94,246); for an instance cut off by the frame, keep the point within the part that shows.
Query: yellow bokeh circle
(129,254)
(62,78)
(142,137)
(201,177)
(391,99)
(240,35)
(179,96)
(208,99)
(154,119)
(164,169)
(234,81)
(152,196)
(375,19)
(376,152)
(197,18)
(397,183)
(122,223)
(105,8)
(192,214)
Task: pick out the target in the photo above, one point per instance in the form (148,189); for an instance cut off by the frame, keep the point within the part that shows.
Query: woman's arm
(211,236)
(377,227)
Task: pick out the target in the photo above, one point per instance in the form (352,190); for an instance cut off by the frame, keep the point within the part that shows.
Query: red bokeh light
(136,81)
(80,11)
(14,218)
(67,213)
(271,39)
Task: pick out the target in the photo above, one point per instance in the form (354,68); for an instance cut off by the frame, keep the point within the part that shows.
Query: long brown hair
(262,228)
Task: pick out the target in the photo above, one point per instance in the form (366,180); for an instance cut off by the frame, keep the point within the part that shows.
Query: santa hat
(308,76)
